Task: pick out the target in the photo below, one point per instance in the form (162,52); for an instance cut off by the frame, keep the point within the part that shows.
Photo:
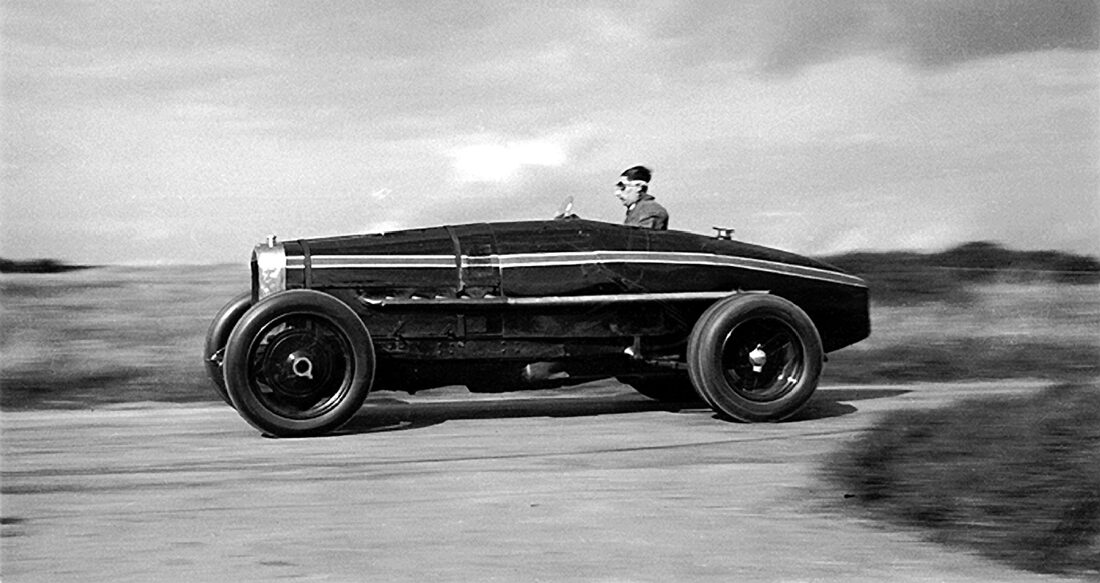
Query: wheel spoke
(777,342)
(764,378)
(301,366)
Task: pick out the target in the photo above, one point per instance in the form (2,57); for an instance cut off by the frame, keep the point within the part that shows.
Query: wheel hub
(758,358)
(761,357)
(300,365)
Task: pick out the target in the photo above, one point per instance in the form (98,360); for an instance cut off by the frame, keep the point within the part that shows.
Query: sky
(168,132)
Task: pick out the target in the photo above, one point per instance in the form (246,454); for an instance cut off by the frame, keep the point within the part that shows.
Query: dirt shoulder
(598,484)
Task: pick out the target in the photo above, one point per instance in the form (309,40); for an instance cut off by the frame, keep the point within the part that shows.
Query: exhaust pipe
(544,371)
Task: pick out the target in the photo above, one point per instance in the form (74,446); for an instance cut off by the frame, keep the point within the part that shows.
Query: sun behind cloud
(498,161)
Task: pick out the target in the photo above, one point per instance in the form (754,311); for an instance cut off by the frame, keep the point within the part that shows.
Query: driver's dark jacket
(647,213)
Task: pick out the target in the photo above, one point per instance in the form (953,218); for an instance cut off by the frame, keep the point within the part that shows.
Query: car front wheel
(755,357)
(216,337)
(299,363)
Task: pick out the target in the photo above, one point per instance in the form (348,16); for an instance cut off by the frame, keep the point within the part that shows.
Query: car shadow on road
(392,414)
(381,414)
(836,402)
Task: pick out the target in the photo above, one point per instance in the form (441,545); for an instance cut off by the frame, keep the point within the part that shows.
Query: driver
(641,210)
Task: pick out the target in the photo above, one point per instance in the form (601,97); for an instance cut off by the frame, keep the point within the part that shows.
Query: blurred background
(183,133)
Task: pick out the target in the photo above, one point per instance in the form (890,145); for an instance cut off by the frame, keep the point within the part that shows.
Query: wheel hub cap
(762,358)
(758,358)
(300,365)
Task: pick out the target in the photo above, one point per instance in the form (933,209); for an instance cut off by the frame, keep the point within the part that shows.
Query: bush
(1017,480)
(905,277)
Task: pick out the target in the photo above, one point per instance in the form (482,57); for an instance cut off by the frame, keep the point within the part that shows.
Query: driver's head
(633,182)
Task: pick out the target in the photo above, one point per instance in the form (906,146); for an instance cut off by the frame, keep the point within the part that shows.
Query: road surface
(591,484)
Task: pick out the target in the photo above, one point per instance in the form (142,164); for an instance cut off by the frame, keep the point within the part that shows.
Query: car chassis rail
(442,302)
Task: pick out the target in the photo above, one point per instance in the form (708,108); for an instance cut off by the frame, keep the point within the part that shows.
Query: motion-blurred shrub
(1017,480)
(904,277)
(112,335)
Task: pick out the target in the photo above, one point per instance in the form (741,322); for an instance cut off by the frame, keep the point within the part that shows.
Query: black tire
(666,388)
(299,363)
(214,351)
(722,370)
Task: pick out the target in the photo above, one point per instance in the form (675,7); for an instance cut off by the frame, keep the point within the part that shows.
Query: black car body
(506,306)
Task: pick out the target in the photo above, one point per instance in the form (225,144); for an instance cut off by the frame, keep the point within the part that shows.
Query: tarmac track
(595,483)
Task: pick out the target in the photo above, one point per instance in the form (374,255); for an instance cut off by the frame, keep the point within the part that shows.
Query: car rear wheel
(755,357)
(299,363)
(216,337)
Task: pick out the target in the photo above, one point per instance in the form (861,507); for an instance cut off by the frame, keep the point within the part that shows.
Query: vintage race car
(513,305)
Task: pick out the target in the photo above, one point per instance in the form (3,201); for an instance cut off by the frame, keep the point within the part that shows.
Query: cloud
(338,116)
(500,161)
(930,33)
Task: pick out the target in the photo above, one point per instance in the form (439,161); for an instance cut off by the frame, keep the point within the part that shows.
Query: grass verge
(1017,481)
